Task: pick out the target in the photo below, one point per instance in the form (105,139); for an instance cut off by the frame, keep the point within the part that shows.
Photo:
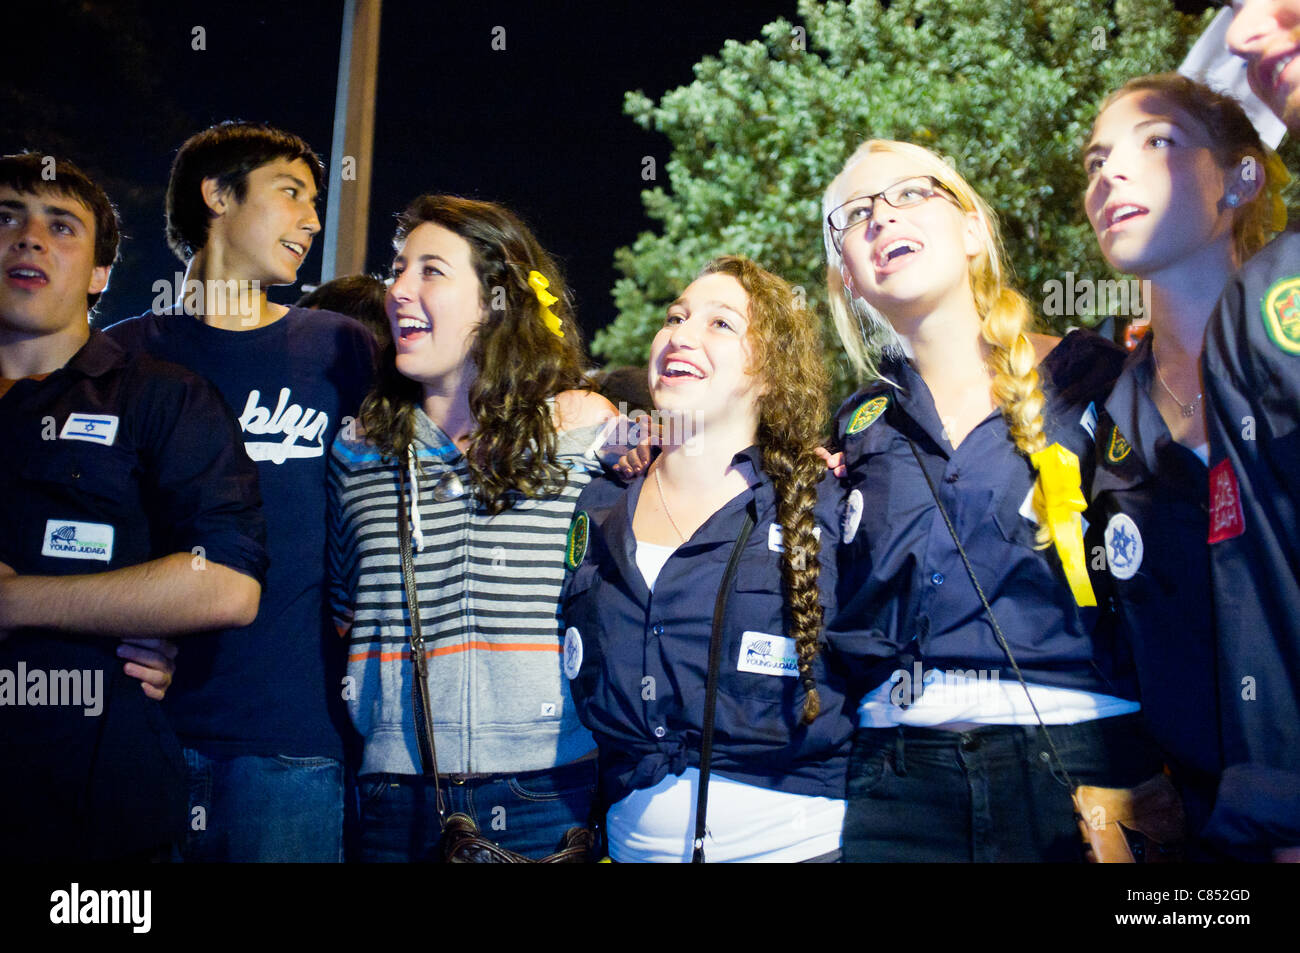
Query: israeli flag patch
(94,428)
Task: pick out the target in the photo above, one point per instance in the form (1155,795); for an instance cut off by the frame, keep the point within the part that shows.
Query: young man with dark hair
(130,512)
(259,708)
(1251,369)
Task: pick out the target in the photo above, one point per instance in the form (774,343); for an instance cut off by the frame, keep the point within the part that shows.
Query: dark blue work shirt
(1252,389)
(111,461)
(273,687)
(640,687)
(1149,494)
(901,575)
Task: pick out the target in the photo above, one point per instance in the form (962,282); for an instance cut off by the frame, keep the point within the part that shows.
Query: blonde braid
(1015,388)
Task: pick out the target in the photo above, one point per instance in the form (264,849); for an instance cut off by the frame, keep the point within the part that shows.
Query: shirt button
(970,744)
(660,731)
(952,477)
(937,579)
(658,630)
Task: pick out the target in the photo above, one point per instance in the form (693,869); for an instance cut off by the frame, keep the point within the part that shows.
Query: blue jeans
(527,813)
(989,794)
(254,808)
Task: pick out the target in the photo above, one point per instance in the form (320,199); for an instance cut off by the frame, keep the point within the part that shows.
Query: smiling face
(266,236)
(699,360)
(906,262)
(1266,34)
(1156,192)
(47,263)
(434,304)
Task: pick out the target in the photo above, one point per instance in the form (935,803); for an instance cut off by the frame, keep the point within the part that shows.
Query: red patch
(1226,517)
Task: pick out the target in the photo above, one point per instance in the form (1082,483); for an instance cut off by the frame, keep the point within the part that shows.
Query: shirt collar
(99,355)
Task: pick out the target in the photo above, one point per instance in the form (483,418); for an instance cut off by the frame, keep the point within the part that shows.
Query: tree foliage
(1007,89)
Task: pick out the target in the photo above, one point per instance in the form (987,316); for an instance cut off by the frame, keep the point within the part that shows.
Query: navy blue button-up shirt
(1149,494)
(640,687)
(111,461)
(901,576)
(1252,390)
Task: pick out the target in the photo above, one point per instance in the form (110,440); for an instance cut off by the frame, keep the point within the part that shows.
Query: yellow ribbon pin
(537,281)
(1059,494)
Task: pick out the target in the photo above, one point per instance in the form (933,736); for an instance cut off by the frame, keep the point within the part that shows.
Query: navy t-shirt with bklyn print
(273,687)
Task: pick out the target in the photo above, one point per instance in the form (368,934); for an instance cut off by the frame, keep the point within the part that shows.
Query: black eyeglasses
(905,194)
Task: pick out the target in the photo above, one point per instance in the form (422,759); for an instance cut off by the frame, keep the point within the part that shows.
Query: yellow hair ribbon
(1276,177)
(537,281)
(1059,495)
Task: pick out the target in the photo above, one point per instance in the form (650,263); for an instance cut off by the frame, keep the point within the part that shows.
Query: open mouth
(1275,72)
(27,276)
(408,329)
(1122,213)
(295,249)
(900,248)
(676,370)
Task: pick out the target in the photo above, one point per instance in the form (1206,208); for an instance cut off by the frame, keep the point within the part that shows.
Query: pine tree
(1006,89)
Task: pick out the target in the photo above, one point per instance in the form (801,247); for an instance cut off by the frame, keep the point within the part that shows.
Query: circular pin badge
(1123,547)
(572,653)
(575,546)
(852,516)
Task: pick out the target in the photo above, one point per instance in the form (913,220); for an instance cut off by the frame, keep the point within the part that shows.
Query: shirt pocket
(755,646)
(104,477)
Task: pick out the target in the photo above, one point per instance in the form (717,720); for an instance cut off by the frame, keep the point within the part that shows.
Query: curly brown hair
(520,363)
(787,358)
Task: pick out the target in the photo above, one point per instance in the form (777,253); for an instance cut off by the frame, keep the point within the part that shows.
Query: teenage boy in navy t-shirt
(259,708)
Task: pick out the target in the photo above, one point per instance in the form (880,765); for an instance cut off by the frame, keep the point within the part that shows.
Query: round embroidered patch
(572,653)
(866,415)
(1123,547)
(852,516)
(1281,308)
(1118,448)
(575,547)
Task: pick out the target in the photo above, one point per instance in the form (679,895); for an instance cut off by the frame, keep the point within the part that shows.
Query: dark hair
(357,296)
(26,173)
(226,152)
(786,341)
(627,385)
(520,363)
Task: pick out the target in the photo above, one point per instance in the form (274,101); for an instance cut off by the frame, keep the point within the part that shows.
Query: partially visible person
(1180,192)
(625,385)
(357,296)
(971,442)
(1252,392)
(130,514)
(259,707)
(742,362)
(481,430)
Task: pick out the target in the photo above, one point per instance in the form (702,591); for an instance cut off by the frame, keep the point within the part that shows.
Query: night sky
(539,126)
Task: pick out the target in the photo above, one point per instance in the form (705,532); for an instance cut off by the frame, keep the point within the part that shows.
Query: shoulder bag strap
(711,688)
(997,629)
(420,688)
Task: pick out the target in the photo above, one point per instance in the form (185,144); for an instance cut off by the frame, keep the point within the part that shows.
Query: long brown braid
(787,357)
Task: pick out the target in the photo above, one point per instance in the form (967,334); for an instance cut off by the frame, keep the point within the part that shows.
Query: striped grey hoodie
(489,589)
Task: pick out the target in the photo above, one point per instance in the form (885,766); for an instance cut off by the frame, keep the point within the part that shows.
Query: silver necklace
(664,503)
(1188,410)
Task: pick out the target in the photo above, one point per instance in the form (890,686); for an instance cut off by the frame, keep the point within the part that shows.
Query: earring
(1232,199)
